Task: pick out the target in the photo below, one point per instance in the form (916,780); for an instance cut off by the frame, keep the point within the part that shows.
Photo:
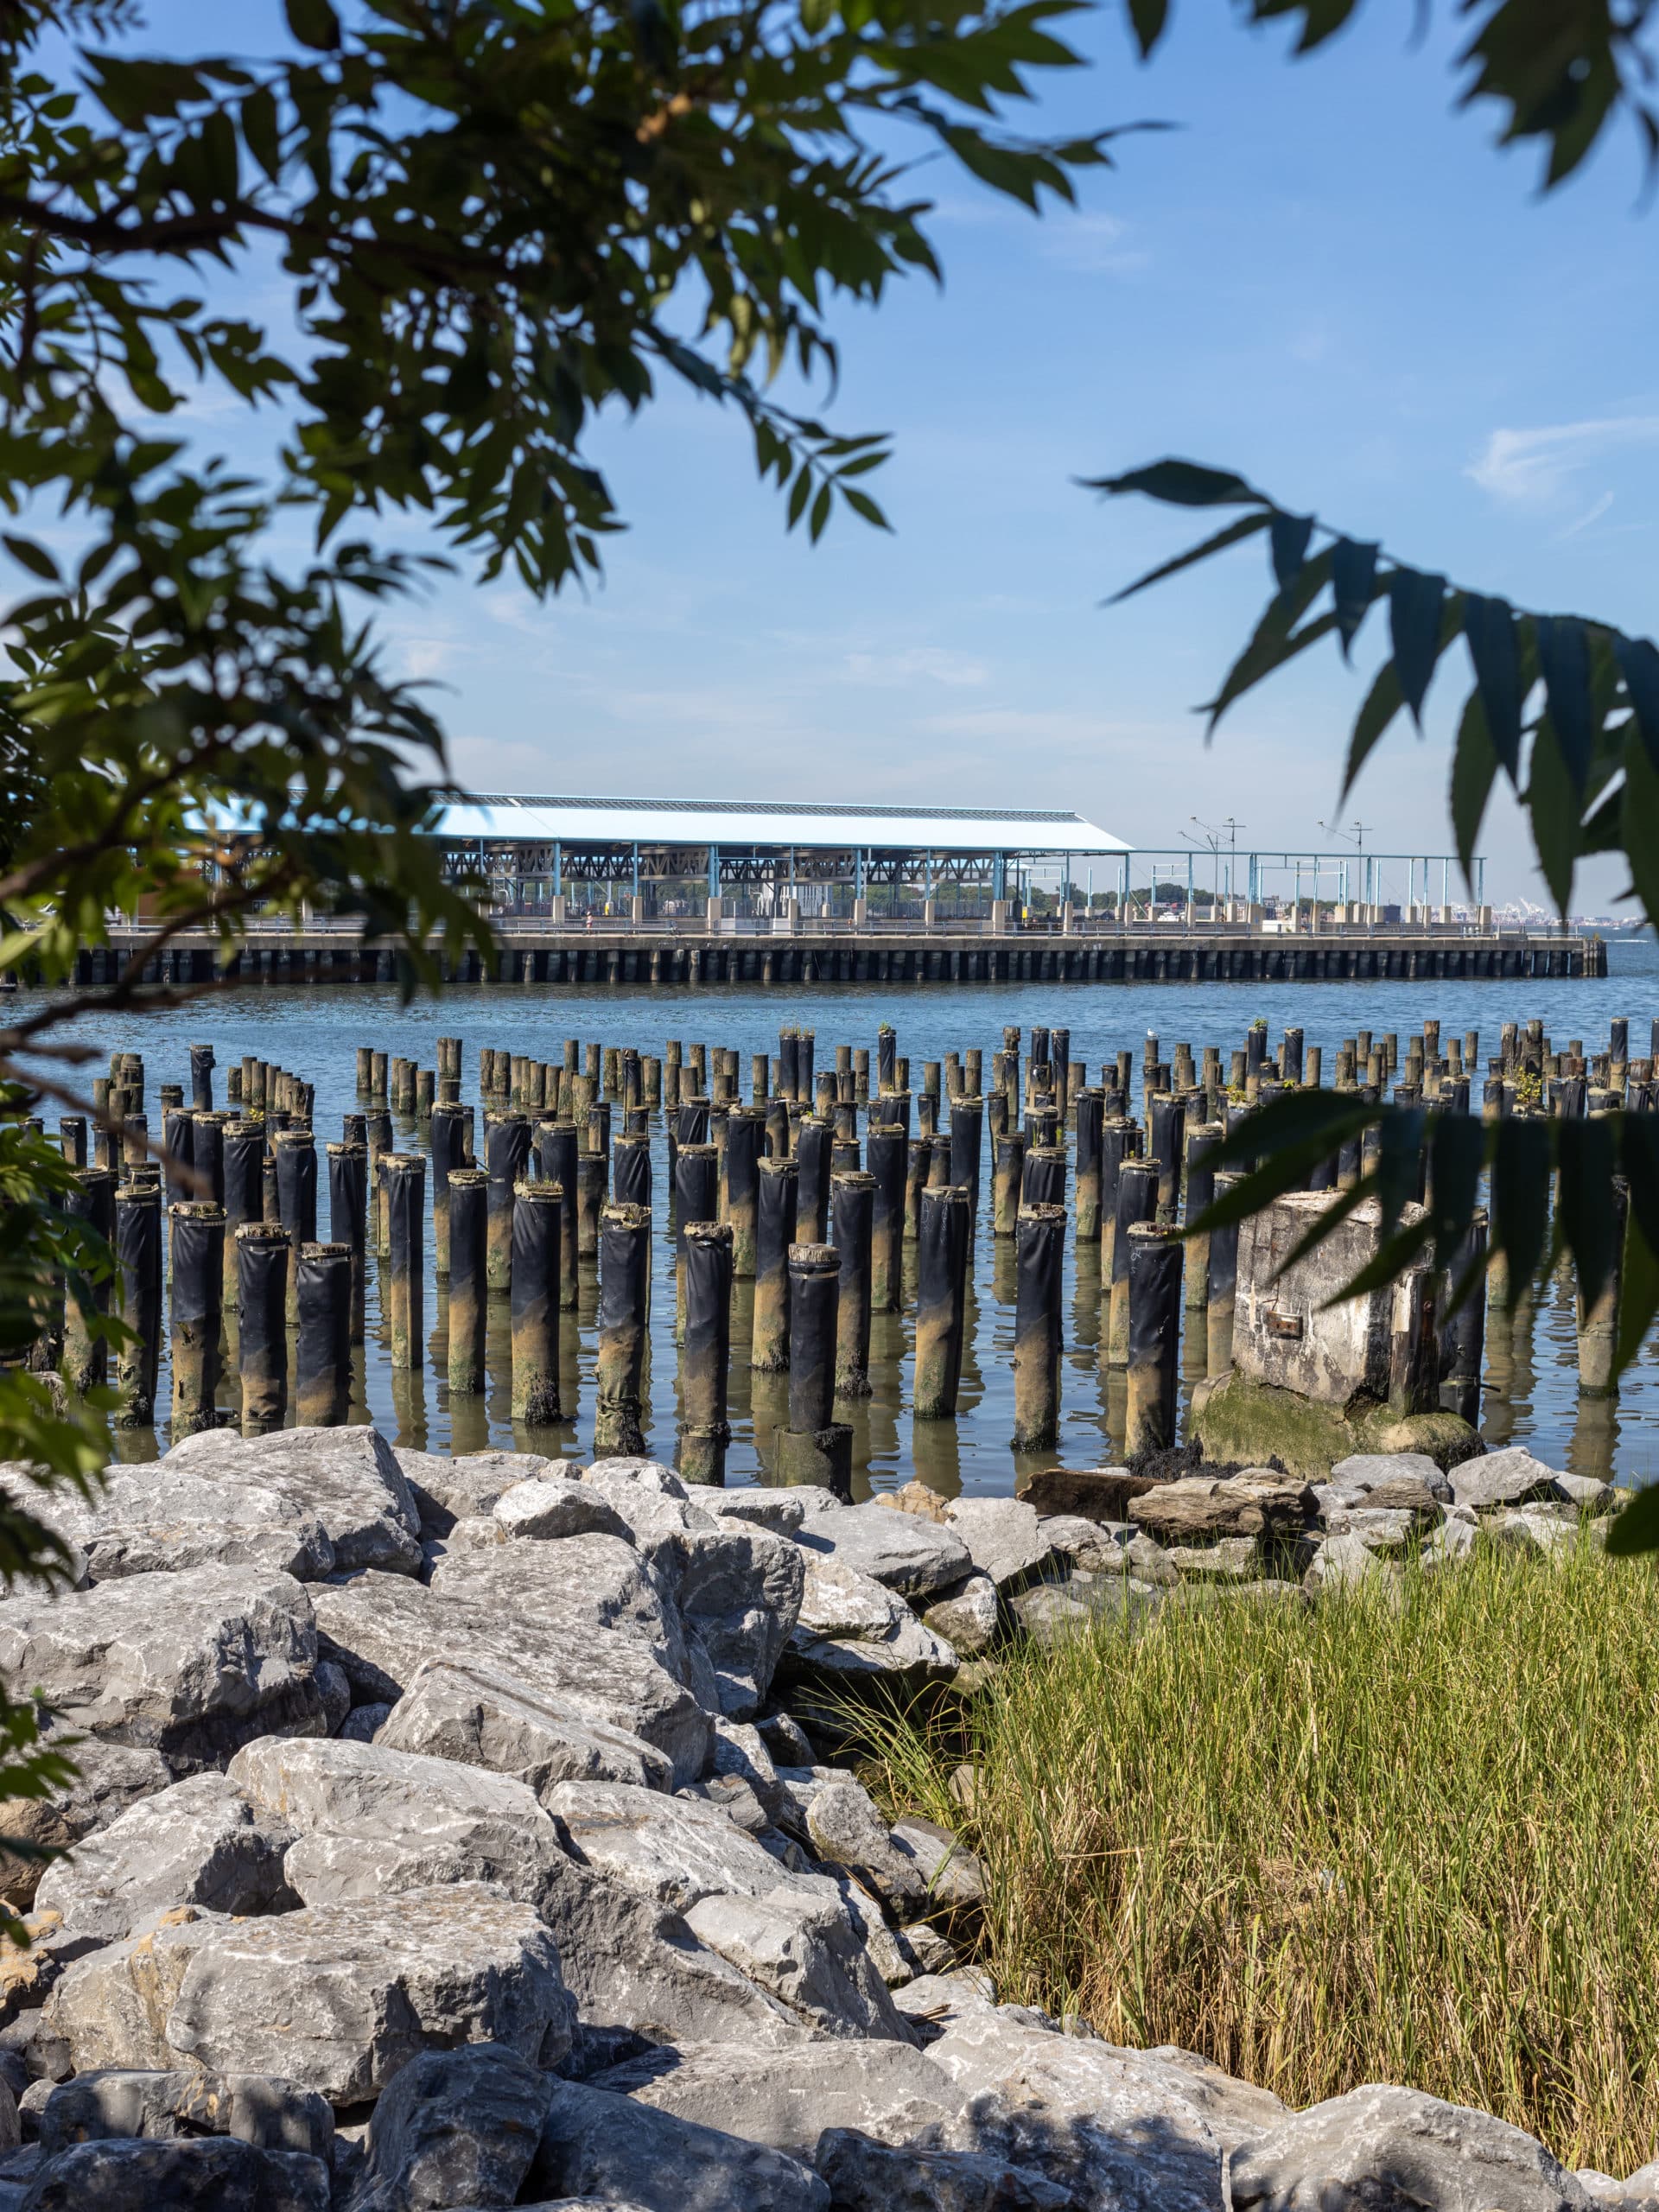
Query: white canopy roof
(517,815)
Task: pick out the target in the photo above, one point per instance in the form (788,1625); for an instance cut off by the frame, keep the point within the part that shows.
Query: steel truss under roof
(676,836)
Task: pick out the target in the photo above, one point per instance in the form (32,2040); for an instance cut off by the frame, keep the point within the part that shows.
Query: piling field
(464,1227)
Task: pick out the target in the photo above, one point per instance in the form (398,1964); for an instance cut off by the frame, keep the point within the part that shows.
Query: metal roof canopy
(512,817)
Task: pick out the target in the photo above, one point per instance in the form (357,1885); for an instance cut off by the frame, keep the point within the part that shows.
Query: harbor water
(1529,1396)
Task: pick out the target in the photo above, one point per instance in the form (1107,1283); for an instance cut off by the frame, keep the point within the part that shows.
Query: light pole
(1212,836)
(1356,835)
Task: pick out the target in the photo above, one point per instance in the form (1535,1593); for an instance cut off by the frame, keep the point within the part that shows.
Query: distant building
(674,855)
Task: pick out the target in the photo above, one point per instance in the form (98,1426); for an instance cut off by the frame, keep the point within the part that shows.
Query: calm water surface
(1529,1398)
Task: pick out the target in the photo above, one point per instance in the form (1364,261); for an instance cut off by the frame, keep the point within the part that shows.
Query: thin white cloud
(1016,725)
(1090,244)
(924,663)
(1592,514)
(1534,465)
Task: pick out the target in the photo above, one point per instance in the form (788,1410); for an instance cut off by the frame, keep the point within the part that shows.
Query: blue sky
(1327,278)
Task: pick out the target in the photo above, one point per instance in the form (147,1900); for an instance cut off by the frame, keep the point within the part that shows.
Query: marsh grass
(1410,1840)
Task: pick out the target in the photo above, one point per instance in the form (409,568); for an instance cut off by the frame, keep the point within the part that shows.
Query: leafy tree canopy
(488,220)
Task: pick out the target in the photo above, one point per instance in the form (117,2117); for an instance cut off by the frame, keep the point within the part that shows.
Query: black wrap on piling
(942,1287)
(322,1368)
(262,1325)
(1039,1251)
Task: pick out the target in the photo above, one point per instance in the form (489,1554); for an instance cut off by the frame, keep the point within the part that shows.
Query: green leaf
(1638,1149)
(260,130)
(1520,1200)
(1474,766)
(1564,662)
(1414,630)
(1488,626)
(1353,586)
(1146,20)
(1182,484)
(1276,641)
(314,24)
(1289,542)
(1639,821)
(34,557)
(1638,664)
(1246,526)
(1636,1530)
(1587,1219)
(1552,804)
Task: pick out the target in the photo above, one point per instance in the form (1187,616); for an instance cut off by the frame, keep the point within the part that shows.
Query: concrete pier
(533,952)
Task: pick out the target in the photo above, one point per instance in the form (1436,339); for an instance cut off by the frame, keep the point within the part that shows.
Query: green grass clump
(1407,1837)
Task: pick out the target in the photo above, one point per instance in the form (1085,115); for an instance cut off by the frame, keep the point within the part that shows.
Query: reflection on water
(1530,1388)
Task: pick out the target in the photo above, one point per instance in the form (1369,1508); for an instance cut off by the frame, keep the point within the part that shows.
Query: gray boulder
(787,2098)
(737,1585)
(740,1755)
(585,1583)
(636,1973)
(1387,2150)
(447,1490)
(109,1778)
(1552,1530)
(1229,1559)
(1125,2127)
(109,2010)
(200,1842)
(865,2175)
(845,1830)
(381,1628)
(271,2114)
(853,1628)
(1588,1493)
(372,1822)
(1005,1538)
(780,1510)
(1448,1545)
(738,1590)
(336,1998)
(335,1693)
(549,1506)
(480,1717)
(1197,1509)
(123,2101)
(1051,1611)
(363,1722)
(949,1873)
(791,1934)
(1096,1546)
(159,1519)
(190,1664)
(205,2174)
(599,2146)
(966,1618)
(349,1478)
(454,2126)
(901,1551)
(1362,1473)
(1512,1477)
(1638,2192)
